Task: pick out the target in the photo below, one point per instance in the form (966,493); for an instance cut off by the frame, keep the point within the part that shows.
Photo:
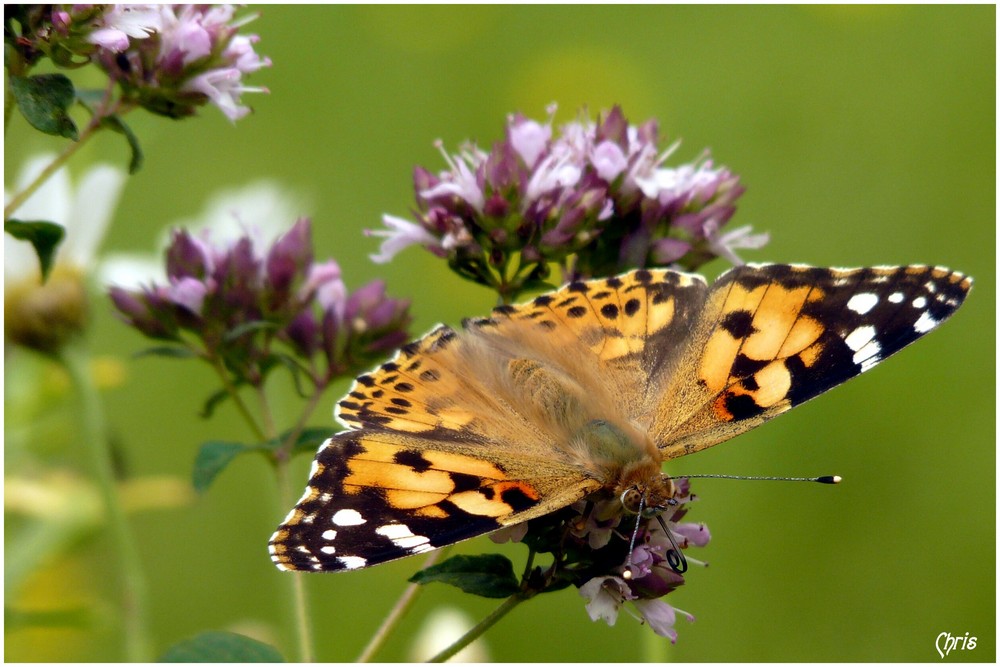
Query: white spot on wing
(920,302)
(348,518)
(328,550)
(858,338)
(403,537)
(421,548)
(352,562)
(862,303)
(329,534)
(896,297)
(394,530)
(925,323)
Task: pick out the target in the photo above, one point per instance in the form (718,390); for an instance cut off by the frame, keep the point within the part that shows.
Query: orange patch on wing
(774,320)
(464,464)
(722,413)
(612,347)
(803,333)
(717,360)
(740,298)
(660,315)
(481,504)
(396,476)
(811,354)
(413,499)
(774,381)
(431,512)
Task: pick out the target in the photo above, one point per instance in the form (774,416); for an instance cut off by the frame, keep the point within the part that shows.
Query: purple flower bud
(303,332)
(667,251)
(140,313)
(188,257)
(289,256)
(189,293)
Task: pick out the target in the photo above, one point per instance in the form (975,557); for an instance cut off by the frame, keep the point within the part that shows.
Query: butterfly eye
(633,500)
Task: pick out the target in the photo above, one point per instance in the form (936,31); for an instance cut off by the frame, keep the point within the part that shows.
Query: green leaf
(309,440)
(486,575)
(221,647)
(171,351)
(212,402)
(213,457)
(44,100)
(116,124)
(43,236)
(246,327)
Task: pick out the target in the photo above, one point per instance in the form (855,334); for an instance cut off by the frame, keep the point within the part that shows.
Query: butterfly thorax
(627,463)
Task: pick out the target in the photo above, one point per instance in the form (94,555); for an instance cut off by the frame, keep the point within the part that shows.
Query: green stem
(299,600)
(8,104)
(399,610)
(54,166)
(235,395)
(480,628)
(138,648)
(654,647)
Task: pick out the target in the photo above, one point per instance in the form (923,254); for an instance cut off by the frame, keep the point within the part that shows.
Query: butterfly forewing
(773,336)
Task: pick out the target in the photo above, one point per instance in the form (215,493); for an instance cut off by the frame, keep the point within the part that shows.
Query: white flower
(440,630)
(606,596)
(724,244)
(529,138)
(84,211)
(461,180)
(401,233)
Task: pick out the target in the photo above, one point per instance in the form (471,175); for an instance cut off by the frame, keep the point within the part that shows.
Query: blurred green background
(865,135)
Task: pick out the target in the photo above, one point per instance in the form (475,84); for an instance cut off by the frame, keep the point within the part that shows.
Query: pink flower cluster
(594,197)
(169,59)
(255,310)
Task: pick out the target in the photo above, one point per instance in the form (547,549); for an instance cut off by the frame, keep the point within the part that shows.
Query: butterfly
(584,393)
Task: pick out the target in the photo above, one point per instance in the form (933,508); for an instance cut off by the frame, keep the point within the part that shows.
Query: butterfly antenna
(825,479)
(675,557)
(627,574)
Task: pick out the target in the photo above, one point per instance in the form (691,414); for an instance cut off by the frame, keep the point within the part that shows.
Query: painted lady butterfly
(585,392)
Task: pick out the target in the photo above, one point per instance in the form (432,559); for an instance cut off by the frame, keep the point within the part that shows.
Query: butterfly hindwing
(773,336)
(376,495)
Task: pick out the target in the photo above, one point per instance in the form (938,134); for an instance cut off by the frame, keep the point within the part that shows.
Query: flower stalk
(138,648)
(398,611)
(480,628)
